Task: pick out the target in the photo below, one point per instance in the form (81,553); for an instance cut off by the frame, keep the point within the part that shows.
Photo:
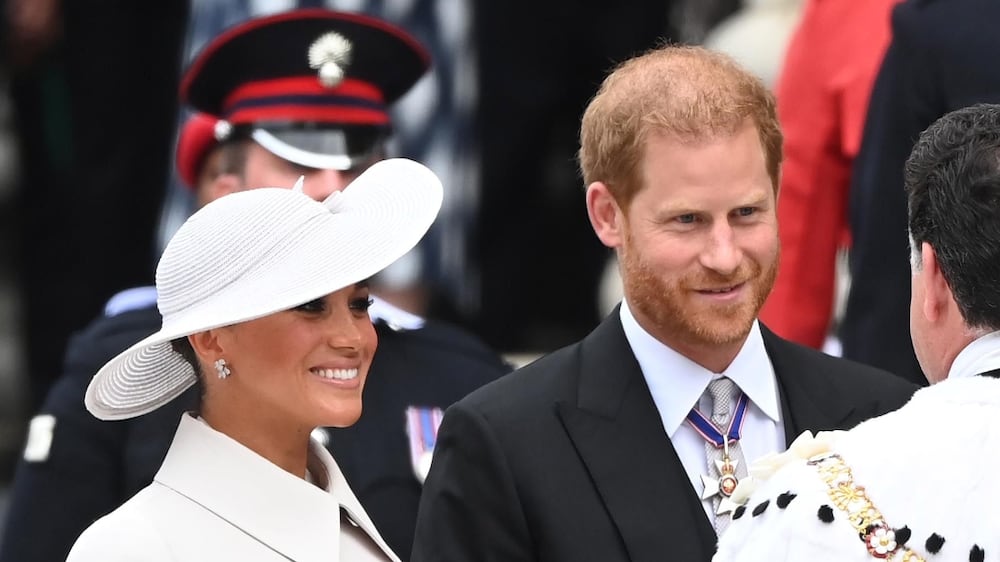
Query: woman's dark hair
(183,347)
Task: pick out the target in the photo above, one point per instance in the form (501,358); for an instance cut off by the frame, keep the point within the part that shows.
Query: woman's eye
(318,305)
(362,305)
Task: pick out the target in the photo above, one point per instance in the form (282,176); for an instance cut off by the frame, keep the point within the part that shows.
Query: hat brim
(377,219)
(324,148)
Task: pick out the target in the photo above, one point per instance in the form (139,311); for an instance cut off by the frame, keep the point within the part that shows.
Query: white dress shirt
(678,385)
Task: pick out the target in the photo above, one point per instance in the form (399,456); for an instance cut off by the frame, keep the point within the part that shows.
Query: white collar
(677,383)
(394,317)
(980,356)
(286,513)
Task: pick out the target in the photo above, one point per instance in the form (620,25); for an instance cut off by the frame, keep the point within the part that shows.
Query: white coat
(929,467)
(213,499)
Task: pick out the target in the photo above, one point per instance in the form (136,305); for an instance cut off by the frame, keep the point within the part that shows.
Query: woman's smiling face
(306,365)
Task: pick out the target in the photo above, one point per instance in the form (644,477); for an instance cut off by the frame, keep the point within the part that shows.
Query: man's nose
(321,183)
(722,253)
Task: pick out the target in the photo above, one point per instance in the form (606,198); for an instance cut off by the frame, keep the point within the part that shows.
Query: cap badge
(330,55)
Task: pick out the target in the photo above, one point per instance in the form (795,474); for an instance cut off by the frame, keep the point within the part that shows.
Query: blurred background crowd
(88,191)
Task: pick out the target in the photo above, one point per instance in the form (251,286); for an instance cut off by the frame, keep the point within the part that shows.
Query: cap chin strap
(288,152)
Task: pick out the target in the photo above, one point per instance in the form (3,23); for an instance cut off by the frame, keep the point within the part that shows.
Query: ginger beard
(668,301)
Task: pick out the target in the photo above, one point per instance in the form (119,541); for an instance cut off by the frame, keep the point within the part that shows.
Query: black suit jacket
(942,57)
(567,459)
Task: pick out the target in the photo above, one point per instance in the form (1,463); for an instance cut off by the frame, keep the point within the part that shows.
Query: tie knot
(721,390)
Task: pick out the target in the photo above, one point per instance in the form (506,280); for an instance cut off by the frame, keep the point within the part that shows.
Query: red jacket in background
(822,94)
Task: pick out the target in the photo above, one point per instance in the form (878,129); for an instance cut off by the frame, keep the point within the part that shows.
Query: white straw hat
(261,251)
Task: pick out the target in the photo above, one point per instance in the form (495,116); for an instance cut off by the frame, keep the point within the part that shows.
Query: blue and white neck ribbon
(712,433)
(725,484)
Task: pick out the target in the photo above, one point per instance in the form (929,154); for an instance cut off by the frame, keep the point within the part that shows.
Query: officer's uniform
(78,468)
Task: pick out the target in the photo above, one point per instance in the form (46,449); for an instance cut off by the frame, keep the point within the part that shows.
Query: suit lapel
(808,399)
(617,432)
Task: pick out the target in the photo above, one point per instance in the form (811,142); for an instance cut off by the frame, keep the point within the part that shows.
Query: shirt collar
(980,356)
(677,383)
(394,317)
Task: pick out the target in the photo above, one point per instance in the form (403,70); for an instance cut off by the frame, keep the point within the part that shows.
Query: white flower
(881,541)
(804,447)
(744,489)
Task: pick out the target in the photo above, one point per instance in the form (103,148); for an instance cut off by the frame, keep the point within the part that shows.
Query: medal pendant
(727,477)
(725,484)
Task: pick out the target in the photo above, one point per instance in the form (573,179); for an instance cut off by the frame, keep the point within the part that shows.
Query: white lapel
(286,514)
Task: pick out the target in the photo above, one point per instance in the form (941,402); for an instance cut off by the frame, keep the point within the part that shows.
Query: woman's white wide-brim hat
(261,251)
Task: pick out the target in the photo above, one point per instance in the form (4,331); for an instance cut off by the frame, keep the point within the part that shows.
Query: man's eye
(686,219)
(362,305)
(746,211)
(299,169)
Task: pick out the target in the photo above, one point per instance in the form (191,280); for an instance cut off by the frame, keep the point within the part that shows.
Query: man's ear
(606,217)
(937,292)
(218,186)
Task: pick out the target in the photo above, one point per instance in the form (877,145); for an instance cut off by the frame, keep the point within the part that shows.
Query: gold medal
(724,485)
